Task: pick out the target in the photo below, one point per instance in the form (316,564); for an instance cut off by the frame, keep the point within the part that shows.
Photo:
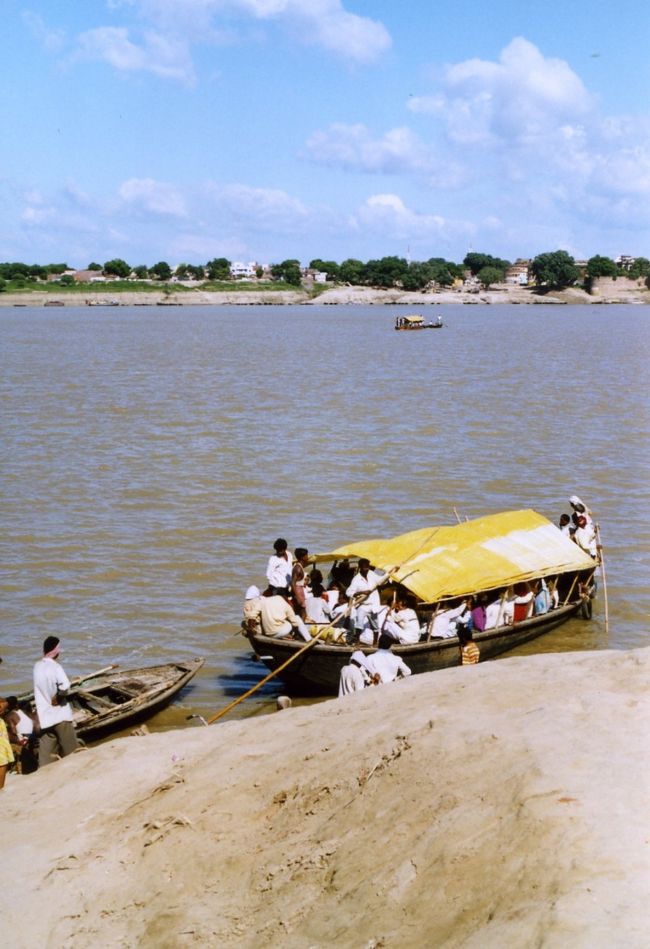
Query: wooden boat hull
(317,671)
(109,702)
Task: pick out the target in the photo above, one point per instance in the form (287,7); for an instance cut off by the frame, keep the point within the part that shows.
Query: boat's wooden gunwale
(319,669)
(161,684)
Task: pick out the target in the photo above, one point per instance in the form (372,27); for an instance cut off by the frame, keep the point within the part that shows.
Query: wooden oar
(93,675)
(602,564)
(270,676)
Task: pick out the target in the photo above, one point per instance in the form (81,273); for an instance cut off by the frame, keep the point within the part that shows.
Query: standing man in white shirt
(365,594)
(279,567)
(58,735)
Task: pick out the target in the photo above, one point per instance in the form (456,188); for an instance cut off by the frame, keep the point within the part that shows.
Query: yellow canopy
(414,319)
(437,563)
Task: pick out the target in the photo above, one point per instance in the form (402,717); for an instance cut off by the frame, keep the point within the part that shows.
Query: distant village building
(247,271)
(517,274)
(314,276)
(625,262)
(89,276)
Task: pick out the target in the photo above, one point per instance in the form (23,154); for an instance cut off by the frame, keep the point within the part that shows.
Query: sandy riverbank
(606,291)
(498,805)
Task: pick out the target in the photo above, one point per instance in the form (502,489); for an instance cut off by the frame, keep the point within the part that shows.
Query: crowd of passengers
(297,602)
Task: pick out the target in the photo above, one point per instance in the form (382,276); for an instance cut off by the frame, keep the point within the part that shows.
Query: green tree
(141,271)
(289,271)
(161,270)
(489,275)
(555,269)
(196,272)
(218,269)
(640,268)
(3,285)
(386,272)
(601,267)
(56,268)
(418,276)
(330,267)
(476,263)
(117,268)
(181,272)
(94,266)
(353,271)
(66,280)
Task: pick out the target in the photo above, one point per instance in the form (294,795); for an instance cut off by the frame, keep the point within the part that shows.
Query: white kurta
(48,677)
(278,571)
(387,665)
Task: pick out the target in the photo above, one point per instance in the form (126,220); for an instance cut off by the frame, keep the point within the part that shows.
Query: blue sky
(183,130)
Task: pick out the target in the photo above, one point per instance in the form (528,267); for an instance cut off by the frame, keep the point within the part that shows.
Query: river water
(151,456)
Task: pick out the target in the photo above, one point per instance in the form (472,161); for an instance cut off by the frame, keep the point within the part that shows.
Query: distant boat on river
(416,322)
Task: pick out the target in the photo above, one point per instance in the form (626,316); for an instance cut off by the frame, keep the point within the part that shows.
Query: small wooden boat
(416,322)
(114,698)
(438,568)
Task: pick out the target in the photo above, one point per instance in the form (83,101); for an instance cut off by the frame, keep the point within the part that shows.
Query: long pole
(271,675)
(602,564)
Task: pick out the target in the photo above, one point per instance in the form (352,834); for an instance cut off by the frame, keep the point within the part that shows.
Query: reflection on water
(151,457)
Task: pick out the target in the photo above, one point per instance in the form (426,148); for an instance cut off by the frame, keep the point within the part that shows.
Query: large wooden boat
(439,567)
(416,322)
(116,698)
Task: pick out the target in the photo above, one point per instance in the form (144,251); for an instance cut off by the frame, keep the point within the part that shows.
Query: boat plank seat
(93,701)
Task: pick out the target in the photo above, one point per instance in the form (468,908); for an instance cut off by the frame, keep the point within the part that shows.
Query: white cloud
(172,27)
(268,207)
(398,151)
(158,53)
(520,98)
(383,214)
(152,196)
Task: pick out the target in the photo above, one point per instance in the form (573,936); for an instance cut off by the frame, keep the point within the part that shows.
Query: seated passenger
(317,604)
(444,623)
(542,598)
(252,604)
(523,602)
(278,618)
(383,662)
(403,624)
(479,615)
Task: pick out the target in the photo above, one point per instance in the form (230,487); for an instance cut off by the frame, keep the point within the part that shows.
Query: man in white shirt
(403,624)
(365,581)
(58,735)
(279,567)
(385,662)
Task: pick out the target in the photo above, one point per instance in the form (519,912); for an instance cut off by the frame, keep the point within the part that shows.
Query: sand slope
(499,805)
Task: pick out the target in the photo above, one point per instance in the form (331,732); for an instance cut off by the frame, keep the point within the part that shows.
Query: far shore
(606,291)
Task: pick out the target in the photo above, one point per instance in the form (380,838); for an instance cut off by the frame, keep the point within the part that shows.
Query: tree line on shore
(553,270)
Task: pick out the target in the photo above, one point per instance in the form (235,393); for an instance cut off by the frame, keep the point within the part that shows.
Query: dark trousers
(57,741)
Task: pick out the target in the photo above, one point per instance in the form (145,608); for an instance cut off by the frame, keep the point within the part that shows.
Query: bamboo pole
(602,564)
(568,596)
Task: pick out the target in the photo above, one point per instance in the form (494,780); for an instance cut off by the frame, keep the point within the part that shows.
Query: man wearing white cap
(252,609)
